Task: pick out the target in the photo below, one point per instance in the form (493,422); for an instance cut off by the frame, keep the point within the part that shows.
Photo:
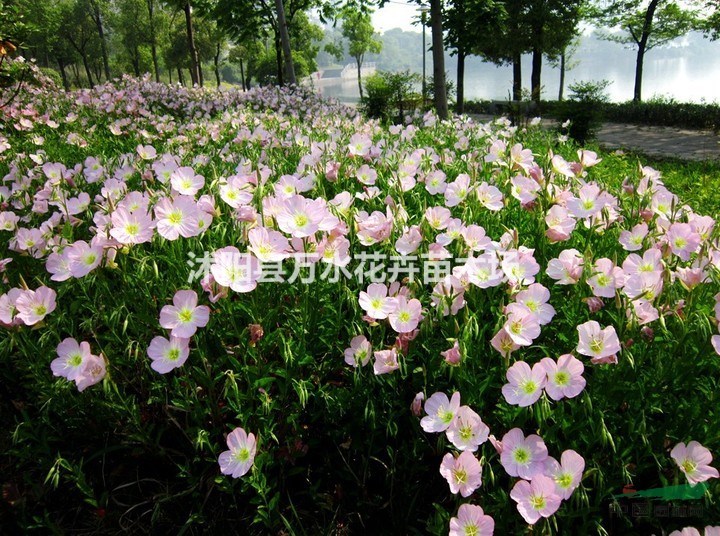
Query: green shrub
(584,109)
(389,96)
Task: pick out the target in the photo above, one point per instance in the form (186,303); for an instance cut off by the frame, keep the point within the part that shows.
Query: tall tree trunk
(170,75)
(153,39)
(63,74)
(642,48)
(358,61)
(181,78)
(136,62)
(87,70)
(279,61)
(97,17)
(201,76)
(517,76)
(438,50)
(535,75)
(217,64)
(194,61)
(562,76)
(76,74)
(460,105)
(285,39)
(242,75)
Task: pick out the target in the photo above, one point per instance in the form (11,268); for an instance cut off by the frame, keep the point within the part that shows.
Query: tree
(97,14)
(357,28)
(438,54)
(646,24)
(465,20)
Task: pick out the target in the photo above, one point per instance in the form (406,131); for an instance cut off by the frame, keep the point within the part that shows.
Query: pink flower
(683,240)
(567,268)
(71,358)
(525,385)
(464,473)
(564,377)
(522,327)
(600,344)
(457,191)
(359,351)
(300,217)
(83,258)
(560,224)
(366,175)
(373,228)
(489,196)
(409,241)
(359,144)
(587,203)
(521,456)
(438,217)
(536,298)
(467,431)
(184,316)
(167,354)
(186,182)
(33,305)
(8,310)
(520,267)
(406,316)
(452,354)
(524,189)
(376,302)
(239,271)
(536,498)
(239,459)
(715,341)
(471,520)
(603,281)
(268,245)
(177,217)
(448,296)
(475,238)
(385,361)
(633,240)
(440,412)
(567,474)
(483,271)
(503,343)
(435,182)
(416,406)
(131,227)
(92,372)
(694,460)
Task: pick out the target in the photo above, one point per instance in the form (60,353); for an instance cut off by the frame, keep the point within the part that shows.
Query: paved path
(652,141)
(661,141)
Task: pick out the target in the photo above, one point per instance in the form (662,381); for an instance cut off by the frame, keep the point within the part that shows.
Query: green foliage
(389,96)
(584,109)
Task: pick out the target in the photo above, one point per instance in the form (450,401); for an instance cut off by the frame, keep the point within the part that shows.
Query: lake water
(687,74)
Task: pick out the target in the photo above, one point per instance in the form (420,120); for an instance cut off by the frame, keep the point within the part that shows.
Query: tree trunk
(136,62)
(242,75)
(63,74)
(438,50)
(87,70)
(76,74)
(194,61)
(517,76)
(562,76)
(278,61)
(285,39)
(535,75)
(460,105)
(358,61)
(97,18)
(170,75)
(217,64)
(642,48)
(181,78)
(201,76)
(153,39)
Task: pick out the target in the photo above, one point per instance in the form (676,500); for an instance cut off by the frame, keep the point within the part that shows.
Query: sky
(396,14)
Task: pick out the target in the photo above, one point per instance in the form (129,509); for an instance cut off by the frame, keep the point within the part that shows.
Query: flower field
(259,312)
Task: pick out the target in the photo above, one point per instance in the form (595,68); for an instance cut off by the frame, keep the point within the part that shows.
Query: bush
(584,109)
(390,96)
